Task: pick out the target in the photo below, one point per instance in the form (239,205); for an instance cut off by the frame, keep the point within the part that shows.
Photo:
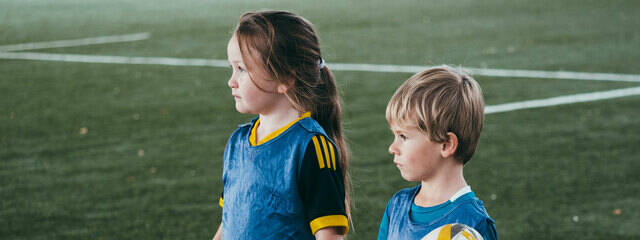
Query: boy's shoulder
(466,206)
(471,208)
(404,196)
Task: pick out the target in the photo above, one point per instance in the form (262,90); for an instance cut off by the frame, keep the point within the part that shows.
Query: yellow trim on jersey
(318,151)
(326,152)
(253,138)
(333,156)
(330,221)
(220,202)
(445,233)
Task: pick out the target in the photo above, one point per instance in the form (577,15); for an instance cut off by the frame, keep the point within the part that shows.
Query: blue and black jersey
(286,186)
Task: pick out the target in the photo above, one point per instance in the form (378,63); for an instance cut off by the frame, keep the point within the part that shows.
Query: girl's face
(249,98)
(414,154)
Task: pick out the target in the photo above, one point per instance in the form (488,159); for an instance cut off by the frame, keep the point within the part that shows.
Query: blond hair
(440,100)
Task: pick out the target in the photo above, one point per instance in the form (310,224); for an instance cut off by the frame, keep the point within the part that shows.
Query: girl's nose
(232,83)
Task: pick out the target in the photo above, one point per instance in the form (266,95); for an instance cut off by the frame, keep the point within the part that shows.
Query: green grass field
(125,151)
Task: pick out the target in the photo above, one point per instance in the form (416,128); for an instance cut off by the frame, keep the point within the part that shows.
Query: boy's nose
(392,149)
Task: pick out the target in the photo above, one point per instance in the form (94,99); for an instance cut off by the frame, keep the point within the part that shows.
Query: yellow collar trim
(253,137)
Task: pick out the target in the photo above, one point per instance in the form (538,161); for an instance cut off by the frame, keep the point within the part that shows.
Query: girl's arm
(330,233)
(218,235)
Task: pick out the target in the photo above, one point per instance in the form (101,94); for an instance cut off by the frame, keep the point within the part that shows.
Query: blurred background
(119,132)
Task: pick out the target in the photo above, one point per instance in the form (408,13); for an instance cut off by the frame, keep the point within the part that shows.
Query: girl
(285,172)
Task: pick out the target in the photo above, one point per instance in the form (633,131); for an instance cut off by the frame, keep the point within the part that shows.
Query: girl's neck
(442,187)
(275,119)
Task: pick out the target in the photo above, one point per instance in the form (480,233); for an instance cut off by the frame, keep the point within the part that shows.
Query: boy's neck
(441,187)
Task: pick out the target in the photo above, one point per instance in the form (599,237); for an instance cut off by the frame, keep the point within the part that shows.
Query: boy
(436,118)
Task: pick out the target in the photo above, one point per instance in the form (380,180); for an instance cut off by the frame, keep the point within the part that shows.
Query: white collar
(464,190)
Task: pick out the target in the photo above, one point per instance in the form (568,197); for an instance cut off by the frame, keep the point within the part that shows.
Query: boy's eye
(402,136)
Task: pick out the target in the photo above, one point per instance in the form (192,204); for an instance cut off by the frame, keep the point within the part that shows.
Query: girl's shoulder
(311,126)
(248,124)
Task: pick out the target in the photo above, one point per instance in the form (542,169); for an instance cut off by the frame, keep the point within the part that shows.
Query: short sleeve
(487,229)
(383,231)
(321,186)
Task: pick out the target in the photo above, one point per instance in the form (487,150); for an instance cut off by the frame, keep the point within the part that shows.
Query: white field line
(491,72)
(568,99)
(75,42)
(114,59)
(333,66)
(585,97)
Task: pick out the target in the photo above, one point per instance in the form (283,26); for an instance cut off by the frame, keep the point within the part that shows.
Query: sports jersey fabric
(275,188)
(405,220)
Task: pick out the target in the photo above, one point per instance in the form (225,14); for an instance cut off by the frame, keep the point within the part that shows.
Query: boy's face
(414,154)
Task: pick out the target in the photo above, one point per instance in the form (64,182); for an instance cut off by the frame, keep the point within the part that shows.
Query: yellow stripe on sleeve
(333,156)
(330,221)
(318,151)
(220,202)
(326,152)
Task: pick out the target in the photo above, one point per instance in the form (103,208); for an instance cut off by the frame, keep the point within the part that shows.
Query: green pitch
(124,151)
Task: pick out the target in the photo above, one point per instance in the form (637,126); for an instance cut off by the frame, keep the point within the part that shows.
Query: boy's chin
(409,178)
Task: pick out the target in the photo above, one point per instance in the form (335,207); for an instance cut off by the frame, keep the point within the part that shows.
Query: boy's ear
(449,146)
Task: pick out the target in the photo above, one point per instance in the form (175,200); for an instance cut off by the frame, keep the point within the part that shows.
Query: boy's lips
(399,165)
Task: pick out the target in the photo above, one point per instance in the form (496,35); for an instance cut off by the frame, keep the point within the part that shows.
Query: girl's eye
(241,69)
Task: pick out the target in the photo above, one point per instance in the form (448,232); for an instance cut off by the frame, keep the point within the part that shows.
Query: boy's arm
(384,226)
(330,233)
(488,230)
(218,235)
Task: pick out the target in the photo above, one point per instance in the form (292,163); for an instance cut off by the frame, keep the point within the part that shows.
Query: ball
(453,231)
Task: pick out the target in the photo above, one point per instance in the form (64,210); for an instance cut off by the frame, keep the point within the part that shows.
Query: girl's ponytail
(287,47)
(329,115)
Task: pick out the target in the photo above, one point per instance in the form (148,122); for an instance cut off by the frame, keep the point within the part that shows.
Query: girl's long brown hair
(287,47)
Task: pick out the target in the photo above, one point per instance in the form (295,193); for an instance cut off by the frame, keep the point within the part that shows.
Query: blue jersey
(262,199)
(405,220)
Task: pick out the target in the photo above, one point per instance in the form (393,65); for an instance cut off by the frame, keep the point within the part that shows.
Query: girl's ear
(449,146)
(284,87)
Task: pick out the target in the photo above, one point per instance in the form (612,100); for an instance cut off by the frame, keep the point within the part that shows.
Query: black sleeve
(321,186)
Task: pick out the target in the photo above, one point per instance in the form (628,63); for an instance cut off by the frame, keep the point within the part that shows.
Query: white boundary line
(114,59)
(585,97)
(333,66)
(75,42)
(576,98)
(491,72)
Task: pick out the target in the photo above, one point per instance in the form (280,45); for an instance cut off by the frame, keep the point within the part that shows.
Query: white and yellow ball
(453,231)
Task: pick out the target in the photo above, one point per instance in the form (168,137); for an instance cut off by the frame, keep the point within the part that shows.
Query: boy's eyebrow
(405,128)
(396,129)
